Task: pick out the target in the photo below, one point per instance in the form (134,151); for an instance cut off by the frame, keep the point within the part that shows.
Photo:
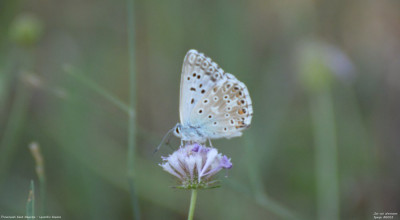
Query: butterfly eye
(203,91)
(205,101)
(215,98)
(232,122)
(227,115)
(210,116)
(226,97)
(200,111)
(177,130)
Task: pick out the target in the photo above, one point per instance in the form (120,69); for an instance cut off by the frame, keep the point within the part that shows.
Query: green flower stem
(132,106)
(192,204)
(325,155)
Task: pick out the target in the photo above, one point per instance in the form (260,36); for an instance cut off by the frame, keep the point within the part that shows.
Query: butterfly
(213,104)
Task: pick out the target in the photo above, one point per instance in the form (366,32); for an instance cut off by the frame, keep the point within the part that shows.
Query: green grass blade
(90,84)
(40,171)
(30,204)
(132,106)
(325,155)
(13,127)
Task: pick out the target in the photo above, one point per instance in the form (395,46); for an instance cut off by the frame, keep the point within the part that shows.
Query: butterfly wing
(225,110)
(196,80)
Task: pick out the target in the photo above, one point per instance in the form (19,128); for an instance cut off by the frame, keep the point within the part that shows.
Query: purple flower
(195,165)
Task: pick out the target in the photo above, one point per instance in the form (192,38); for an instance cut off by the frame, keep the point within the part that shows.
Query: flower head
(195,165)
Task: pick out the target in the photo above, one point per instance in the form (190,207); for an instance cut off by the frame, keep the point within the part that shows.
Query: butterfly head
(189,133)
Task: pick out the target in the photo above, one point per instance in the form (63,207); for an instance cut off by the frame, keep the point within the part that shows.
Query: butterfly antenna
(168,142)
(163,140)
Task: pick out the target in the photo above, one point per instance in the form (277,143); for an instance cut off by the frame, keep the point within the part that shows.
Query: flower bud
(26,30)
(320,63)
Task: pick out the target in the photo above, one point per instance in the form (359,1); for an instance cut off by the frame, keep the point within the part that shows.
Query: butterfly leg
(209,140)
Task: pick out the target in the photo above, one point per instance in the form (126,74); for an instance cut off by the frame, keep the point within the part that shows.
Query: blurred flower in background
(320,63)
(26,30)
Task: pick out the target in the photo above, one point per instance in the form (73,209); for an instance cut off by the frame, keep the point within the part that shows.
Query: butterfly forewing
(196,80)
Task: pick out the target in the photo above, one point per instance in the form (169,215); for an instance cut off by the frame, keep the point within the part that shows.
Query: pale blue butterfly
(213,104)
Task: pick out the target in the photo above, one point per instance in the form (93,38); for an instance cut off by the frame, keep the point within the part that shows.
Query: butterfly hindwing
(225,110)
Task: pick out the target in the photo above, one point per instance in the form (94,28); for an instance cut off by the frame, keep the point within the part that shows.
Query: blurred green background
(324,77)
